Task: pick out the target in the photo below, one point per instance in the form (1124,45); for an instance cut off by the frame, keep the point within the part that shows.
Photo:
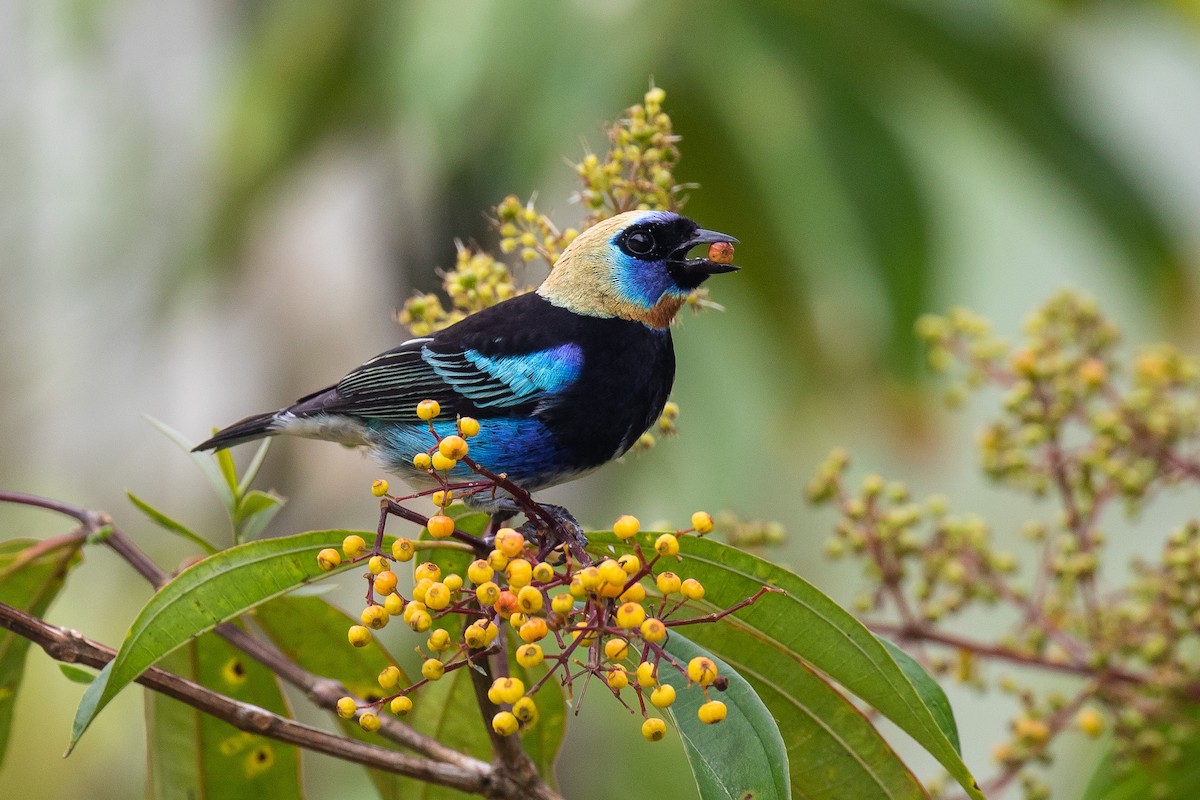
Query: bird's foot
(564,533)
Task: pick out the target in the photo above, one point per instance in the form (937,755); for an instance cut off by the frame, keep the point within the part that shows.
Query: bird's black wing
(494,363)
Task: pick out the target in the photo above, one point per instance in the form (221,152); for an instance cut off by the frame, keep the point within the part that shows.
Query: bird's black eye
(639,243)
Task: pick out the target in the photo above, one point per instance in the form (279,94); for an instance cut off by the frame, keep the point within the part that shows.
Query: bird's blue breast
(523,448)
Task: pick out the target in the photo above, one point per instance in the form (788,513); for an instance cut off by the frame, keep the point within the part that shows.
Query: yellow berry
(589,578)
(379,488)
(702,522)
(403,549)
(441,463)
(530,655)
(497,560)
(667,545)
(654,729)
(631,615)
(506,690)
(376,565)
(453,447)
(626,527)
(525,710)
(420,588)
(437,596)
(702,670)
(468,427)
(427,570)
(533,630)
(480,572)
(358,635)
(543,572)
(529,600)
(629,563)
(393,604)
(420,620)
(516,619)
(617,678)
(354,545)
(505,724)
(475,636)
(453,582)
(385,583)
(692,589)
(509,542)
(647,674)
(440,526)
(329,559)
(369,722)
(519,573)
(422,461)
(389,677)
(346,707)
(433,669)
(634,594)
(487,593)
(1031,731)
(663,696)
(576,587)
(439,640)
(374,617)
(441,498)
(401,705)
(653,630)
(711,712)
(1090,721)
(428,409)
(562,603)
(668,582)
(616,649)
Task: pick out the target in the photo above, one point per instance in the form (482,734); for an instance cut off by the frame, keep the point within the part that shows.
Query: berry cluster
(574,618)
(1096,434)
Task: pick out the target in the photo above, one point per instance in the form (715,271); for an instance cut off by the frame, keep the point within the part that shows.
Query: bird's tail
(255,427)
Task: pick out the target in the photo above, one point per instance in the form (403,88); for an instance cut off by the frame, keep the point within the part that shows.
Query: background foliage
(209,209)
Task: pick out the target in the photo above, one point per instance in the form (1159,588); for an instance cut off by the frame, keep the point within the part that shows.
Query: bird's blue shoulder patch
(499,381)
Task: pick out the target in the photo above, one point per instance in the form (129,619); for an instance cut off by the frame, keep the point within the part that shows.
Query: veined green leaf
(743,756)
(76,674)
(312,633)
(212,591)
(30,584)
(804,623)
(192,754)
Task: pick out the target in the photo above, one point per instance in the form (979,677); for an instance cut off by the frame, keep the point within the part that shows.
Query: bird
(561,380)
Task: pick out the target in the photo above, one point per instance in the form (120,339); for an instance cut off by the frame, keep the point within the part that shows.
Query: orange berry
(385,583)
(453,447)
(720,253)
(440,526)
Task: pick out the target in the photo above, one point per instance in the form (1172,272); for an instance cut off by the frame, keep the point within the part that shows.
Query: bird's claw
(563,534)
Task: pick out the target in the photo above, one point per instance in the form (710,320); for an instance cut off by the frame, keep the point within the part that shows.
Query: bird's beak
(703,267)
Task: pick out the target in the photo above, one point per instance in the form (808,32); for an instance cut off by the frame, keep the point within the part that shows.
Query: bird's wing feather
(463,380)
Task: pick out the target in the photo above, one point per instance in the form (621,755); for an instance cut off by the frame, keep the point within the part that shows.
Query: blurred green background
(208,209)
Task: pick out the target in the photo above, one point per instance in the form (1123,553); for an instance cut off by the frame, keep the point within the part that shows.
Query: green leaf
(228,469)
(31,575)
(211,591)
(929,689)
(833,750)
(163,521)
(805,624)
(260,455)
(255,510)
(1179,777)
(744,756)
(312,633)
(76,674)
(192,754)
(204,461)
